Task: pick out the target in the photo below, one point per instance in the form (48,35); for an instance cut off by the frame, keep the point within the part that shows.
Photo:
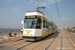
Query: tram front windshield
(32,23)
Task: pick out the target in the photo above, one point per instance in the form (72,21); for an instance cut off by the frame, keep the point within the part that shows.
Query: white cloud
(44,2)
(64,19)
(68,22)
(53,1)
(67,19)
(31,0)
(35,2)
(15,10)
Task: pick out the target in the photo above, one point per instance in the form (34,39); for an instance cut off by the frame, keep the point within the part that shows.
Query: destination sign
(31,17)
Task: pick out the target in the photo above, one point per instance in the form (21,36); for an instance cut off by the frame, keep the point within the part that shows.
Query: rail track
(51,42)
(48,43)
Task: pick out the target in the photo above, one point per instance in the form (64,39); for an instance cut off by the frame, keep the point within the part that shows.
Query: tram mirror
(22,22)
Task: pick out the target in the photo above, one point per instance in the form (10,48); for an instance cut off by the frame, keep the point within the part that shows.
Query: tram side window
(38,26)
(50,25)
(43,24)
(46,24)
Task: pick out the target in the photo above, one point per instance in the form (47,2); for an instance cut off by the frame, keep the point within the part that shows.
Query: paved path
(71,37)
(57,41)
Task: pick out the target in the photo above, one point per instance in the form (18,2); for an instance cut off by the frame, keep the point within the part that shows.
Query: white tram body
(36,26)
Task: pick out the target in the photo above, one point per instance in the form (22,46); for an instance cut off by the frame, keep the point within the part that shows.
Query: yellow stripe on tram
(44,34)
(28,33)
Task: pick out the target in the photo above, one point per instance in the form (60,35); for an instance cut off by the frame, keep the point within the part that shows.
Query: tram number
(30,16)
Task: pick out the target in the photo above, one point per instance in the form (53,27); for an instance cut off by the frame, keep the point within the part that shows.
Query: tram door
(47,31)
(47,26)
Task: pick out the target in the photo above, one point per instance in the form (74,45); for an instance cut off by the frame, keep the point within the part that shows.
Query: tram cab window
(38,23)
(32,23)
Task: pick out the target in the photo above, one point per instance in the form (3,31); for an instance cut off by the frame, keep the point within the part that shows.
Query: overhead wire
(45,10)
(42,6)
(58,14)
(34,2)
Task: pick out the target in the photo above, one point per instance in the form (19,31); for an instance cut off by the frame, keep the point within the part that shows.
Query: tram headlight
(31,34)
(25,34)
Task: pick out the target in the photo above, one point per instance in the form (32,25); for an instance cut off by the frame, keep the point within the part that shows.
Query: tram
(36,26)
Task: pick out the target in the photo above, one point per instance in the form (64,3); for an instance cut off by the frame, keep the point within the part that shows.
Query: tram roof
(34,11)
(53,23)
(42,14)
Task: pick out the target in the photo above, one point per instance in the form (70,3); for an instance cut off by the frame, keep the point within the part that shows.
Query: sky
(12,12)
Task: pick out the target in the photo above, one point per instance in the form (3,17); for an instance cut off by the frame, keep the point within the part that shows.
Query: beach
(4,33)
